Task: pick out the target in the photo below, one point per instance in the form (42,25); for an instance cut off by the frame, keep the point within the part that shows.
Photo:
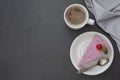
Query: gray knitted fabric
(107,15)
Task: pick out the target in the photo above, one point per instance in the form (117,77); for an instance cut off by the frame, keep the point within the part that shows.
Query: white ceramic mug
(87,20)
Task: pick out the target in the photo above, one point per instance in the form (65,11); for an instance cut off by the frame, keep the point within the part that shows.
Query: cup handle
(91,22)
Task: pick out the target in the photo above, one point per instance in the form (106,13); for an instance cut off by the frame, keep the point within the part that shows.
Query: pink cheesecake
(92,54)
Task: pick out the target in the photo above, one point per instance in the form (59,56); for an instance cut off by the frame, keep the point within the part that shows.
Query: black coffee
(75,15)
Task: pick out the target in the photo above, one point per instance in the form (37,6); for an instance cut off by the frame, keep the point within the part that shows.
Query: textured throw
(107,15)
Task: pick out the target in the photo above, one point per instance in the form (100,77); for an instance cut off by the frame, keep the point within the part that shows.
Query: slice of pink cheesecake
(92,54)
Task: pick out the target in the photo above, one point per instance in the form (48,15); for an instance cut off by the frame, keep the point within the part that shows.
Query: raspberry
(99,46)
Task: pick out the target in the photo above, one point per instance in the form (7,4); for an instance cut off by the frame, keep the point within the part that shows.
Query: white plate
(78,48)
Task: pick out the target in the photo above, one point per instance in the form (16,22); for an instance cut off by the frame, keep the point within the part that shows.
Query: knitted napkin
(107,15)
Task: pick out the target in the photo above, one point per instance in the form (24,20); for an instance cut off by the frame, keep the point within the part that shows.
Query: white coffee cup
(87,20)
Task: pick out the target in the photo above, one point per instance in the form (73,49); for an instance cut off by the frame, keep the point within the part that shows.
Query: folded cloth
(107,15)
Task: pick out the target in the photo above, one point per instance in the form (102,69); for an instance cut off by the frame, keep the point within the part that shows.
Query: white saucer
(79,46)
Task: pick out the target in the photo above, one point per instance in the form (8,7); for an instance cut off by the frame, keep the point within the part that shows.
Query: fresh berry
(99,46)
(104,49)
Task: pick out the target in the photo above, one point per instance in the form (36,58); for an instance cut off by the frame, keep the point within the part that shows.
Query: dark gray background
(35,42)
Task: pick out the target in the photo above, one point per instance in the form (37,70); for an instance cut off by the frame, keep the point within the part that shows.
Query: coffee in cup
(75,15)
